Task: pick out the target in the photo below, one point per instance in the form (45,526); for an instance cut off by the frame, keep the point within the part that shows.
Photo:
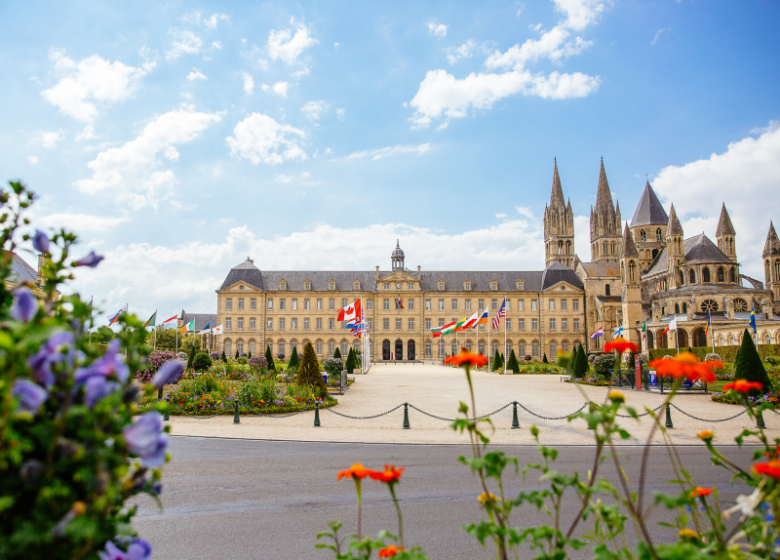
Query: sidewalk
(438,390)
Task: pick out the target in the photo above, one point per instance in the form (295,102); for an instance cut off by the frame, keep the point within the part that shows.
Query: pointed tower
(605,239)
(397,257)
(558,226)
(771,256)
(674,250)
(648,226)
(725,234)
(631,290)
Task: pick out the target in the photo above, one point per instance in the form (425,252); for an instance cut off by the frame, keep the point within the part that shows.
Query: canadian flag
(350,312)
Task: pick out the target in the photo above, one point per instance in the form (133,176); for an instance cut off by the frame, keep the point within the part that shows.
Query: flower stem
(398,511)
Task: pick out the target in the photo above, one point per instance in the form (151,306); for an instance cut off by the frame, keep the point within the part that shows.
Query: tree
(350,366)
(337,353)
(512,363)
(309,371)
(237,354)
(223,357)
(294,361)
(250,354)
(749,366)
(544,359)
(269,358)
(580,363)
(202,362)
(496,361)
(191,358)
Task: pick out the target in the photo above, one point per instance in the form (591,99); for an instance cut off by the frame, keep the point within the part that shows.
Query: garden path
(438,389)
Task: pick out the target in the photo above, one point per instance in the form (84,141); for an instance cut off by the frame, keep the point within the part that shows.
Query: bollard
(166,417)
(406,416)
(316,415)
(669,416)
(236,419)
(515,421)
(760,420)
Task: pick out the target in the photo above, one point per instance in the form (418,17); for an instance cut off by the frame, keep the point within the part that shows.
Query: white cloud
(315,109)
(87,134)
(520,9)
(281,178)
(658,35)
(196,75)
(80,223)
(442,95)
(186,95)
(300,73)
(185,42)
(283,44)
(92,79)
(280,88)
(171,153)
(437,29)
(773,125)
(211,23)
(341,113)
(33,160)
(49,139)
(216,44)
(746,177)
(389,151)
(130,173)
(249,84)
(466,50)
(259,138)
(502,216)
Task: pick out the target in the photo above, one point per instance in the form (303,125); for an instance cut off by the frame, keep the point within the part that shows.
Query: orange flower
(743,386)
(389,475)
(686,365)
(621,345)
(700,492)
(355,471)
(390,551)
(705,435)
(467,358)
(770,468)
(688,534)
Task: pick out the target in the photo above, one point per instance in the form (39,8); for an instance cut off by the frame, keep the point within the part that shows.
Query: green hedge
(726,353)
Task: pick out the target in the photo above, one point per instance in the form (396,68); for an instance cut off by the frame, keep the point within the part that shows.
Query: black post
(406,416)
(515,421)
(669,416)
(166,417)
(760,420)
(316,415)
(236,419)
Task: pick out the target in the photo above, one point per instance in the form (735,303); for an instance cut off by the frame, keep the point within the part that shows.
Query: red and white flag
(352,311)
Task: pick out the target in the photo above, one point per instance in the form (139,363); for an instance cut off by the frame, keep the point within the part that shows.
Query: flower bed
(772,397)
(596,381)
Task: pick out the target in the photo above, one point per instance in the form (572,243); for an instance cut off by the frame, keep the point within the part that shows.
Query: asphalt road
(247,499)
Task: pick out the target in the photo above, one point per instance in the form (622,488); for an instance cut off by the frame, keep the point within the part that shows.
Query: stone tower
(725,234)
(558,227)
(648,226)
(771,256)
(674,250)
(605,226)
(397,257)
(631,290)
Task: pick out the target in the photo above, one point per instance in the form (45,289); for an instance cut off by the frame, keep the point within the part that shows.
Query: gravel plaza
(437,390)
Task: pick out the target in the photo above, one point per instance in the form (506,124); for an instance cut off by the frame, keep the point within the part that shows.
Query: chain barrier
(656,409)
(707,420)
(453,419)
(550,417)
(363,417)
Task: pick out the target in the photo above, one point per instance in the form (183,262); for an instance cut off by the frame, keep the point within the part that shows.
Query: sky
(180,138)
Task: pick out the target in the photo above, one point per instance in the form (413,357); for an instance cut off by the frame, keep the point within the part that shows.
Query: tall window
(468,305)
(228,323)
(534,324)
(386,304)
(306,324)
(427,324)
(306,305)
(269,324)
(281,347)
(343,302)
(552,305)
(252,346)
(535,349)
(468,345)
(331,324)
(228,348)
(240,346)
(428,352)
(521,324)
(253,303)
(553,349)
(319,304)
(576,324)
(411,324)
(552,324)
(386,324)
(658,236)
(508,323)
(441,348)
(344,347)
(563,305)
(642,235)
(533,305)
(253,323)
(319,323)
(240,323)
(369,304)
(494,305)
(240,304)
(454,304)
(521,348)
(270,303)
(294,324)
(318,346)
(521,305)
(575,305)
(481,349)
(281,323)
(453,348)
(564,324)
(441,322)
(307,285)
(705,275)
(229,303)
(398,324)
(441,305)
(692,277)
(331,348)
(282,304)
(411,304)
(427,305)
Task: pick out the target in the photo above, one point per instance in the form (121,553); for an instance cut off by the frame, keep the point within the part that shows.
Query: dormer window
(386,285)
(332,285)
(520,285)
(467,285)
(356,285)
(307,285)
(283,285)
(441,285)
(494,285)
(411,285)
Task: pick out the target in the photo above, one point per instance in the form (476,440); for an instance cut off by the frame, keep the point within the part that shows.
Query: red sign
(638,371)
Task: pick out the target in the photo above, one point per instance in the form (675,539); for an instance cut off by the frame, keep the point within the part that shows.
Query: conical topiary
(250,354)
(496,361)
(337,353)
(580,363)
(191,357)
(237,354)
(749,366)
(269,358)
(309,371)
(350,365)
(544,359)
(294,361)
(512,363)
(223,357)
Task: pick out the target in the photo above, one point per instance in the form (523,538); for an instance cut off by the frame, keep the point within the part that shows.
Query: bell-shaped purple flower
(91,260)
(40,364)
(96,388)
(40,241)
(111,363)
(170,372)
(137,549)
(31,395)
(25,307)
(146,439)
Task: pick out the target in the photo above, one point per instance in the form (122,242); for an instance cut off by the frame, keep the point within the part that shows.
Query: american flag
(501,313)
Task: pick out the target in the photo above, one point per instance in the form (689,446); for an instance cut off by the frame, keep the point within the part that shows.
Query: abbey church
(640,278)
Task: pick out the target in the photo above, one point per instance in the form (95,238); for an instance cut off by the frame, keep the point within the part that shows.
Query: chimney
(41,262)
(419,274)
(377,272)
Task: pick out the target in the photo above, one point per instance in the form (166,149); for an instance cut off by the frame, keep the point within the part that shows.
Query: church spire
(629,246)
(772,245)
(556,197)
(724,223)
(603,195)
(673,227)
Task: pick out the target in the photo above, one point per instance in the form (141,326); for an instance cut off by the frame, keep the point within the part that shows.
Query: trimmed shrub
(309,372)
(528,357)
(337,353)
(544,359)
(202,362)
(604,365)
(214,356)
(512,363)
(294,360)
(748,365)
(258,362)
(581,365)
(269,358)
(237,356)
(191,357)
(350,361)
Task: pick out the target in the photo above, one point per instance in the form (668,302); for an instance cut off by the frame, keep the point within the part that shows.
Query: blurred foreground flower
(687,365)
(25,306)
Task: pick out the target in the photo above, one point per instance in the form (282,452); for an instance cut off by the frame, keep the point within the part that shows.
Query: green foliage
(249,355)
(580,363)
(202,362)
(544,359)
(337,353)
(294,360)
(309,371)
(191,357)
(512,363)
(223,357)
(748,365)
(350,366)
(237,356)
(269,358)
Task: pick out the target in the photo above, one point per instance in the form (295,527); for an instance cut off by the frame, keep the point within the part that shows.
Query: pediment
(399,276)
(241,286)
(562,288)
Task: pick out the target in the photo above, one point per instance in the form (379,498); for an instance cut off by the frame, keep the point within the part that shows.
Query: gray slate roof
(725,227)
(649,210)
(21,271)
(556,196)
(556,273)
(772,244)
(246,272)
(201,320)
(603,196)
(699,249)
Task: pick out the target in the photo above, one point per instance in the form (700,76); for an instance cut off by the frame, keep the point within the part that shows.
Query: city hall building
(640,277)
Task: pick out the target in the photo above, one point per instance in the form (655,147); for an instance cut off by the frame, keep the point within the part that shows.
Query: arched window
(535,348)
(682,278)
(777,270)
(453,348)
(553,349)
(677,308)
(606,290)
(252,347)
(228,348)
(642,235)
(468,345)
(721,276)
(613,249)
(560,247)
(705,275)
(685,308)
(632,271)
(732,276)
(441,348)
(318,347)
(658,235)
(240,347)
(493,348)
(332,348)
(482,347)
(281,348)
(521,348)
(692,276)
(344,348)
(622,273)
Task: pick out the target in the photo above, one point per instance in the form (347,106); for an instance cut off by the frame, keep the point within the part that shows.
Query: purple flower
(51,353)
(31,395)
(25,306)
(111,363)
(96,388)
(40,241)
(170,372)
(146,439)
(91,260)
(138,549)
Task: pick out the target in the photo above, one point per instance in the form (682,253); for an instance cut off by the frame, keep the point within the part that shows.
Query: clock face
(398,285)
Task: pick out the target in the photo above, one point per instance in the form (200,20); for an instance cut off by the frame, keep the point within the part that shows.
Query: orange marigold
(688,534)
(705,435)
(389,475)
(390,551)
(687,365)
(770,468)
(355,471)
(743,386)
(621,345)
(700,492)
(467,358)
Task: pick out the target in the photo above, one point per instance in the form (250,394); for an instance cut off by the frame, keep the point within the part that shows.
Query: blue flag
(753,318)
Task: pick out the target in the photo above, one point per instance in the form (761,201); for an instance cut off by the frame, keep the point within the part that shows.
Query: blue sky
(178,138)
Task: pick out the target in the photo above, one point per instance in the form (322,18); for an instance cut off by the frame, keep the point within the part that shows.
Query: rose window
(709,305)
(740,305)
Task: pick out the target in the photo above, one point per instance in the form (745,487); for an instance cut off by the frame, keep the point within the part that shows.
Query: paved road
(245,499)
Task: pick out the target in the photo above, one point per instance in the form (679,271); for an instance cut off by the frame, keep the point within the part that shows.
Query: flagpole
(505,320)
(676,339)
